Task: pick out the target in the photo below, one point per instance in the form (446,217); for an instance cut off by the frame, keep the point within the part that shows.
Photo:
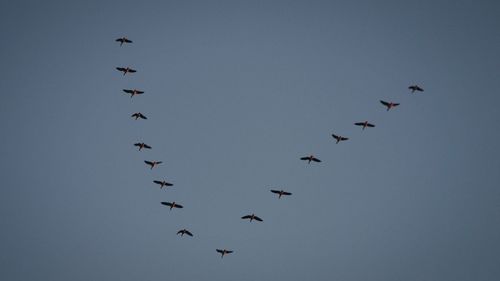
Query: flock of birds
(280,193)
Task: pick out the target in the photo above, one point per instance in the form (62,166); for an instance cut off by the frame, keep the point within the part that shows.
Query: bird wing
(147,146)
(246,217)
(257,218)
(335,136)
(343,138)
(180,231)
(128,91)
(137,144)
(127,40)
(395,104)
(370,125)
(119,40)
(315,159)
(167,204)
(384,103)
(275,191)
(188,233)
(139,92)
(120,68)
(287,193)
(168,184)
(178,206)
(359,124)
(132,70)
(159,162)
(157,182)
(148,162)
(304,158)
(219,251)
(142,116)
(228,252)
(419,89)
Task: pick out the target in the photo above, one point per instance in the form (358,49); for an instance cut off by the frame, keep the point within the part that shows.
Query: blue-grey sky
(236,92)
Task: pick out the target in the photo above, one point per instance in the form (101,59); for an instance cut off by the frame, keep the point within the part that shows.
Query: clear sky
(235,93)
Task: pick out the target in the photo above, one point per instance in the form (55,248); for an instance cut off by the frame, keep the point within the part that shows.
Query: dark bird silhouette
(138,115)
(280,192)
(142,145)
(153,163)
(389,105)
(223,252)
(172,205)
(133,92)
(184,231)
(126,70)
(123,40)
(414,88)
(251,217)
(364,124)
(310,158)
(339,138)
(163,183)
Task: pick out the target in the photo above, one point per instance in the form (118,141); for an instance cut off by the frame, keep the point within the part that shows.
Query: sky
(235,93)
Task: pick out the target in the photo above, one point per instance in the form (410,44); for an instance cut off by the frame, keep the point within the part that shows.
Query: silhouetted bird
(163,183)
(142,145)
(184,231)
(123,40)
(389,105)
(172,205)
(133,92)
(153,163)
(339,138)
(126,70)
(252,217)
(280,192)
(310,158)
(223,252)
(414,88)
(364,124)
(138,115)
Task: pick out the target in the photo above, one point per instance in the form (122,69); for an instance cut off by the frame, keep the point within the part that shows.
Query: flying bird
(172,205)
(389,105)
(138,115)
(364,124)
(251,217)
(126,70)
(142,145)
(310,158)
(153,163)
(123,40)
(414,88)
(339,138)
(163,183)
(184,231)
(133,92)
(223,252)
(280,192)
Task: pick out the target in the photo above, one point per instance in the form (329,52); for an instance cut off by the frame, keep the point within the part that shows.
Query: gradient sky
(236,93)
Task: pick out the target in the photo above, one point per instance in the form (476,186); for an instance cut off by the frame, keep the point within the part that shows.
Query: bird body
(142,145)
(252,217)
(339,138)
(123,40)
(184,231)
(163,183)
(364,124)
(126,70)
(133,92)
(415,88)
(223,252)
(389,105)
(153,163)
(280,192)
(138,115)
(310,158)
(172,205)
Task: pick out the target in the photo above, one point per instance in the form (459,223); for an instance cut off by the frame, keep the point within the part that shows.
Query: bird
(184,231)
(153,163)
(389,105)
(172,205)
(339,138)
(414,88)
(138,115)
(310,158)
(163,183)
(223,252)
(251,217)
(123,40)
(364,124)
(133,92)
(280,192)
(126,70)
(142,145)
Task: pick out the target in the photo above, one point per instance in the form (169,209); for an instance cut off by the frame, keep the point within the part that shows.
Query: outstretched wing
(275,191)
(167,204)
(257,218)
(137,144)
(157,182)
(219,251)
(178,206)
(142,116)
(127,40)
(343,138)
(228,252)
(120,68)
(148,162)
(132,70)
(359,124)
(304,158)
(287,193)
(188,233)
(384,103)
(128,91)
(147,146)
(246,217)
(370,125)
(315,159)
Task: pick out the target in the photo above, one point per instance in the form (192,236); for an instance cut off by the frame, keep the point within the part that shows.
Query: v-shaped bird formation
(281,193)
